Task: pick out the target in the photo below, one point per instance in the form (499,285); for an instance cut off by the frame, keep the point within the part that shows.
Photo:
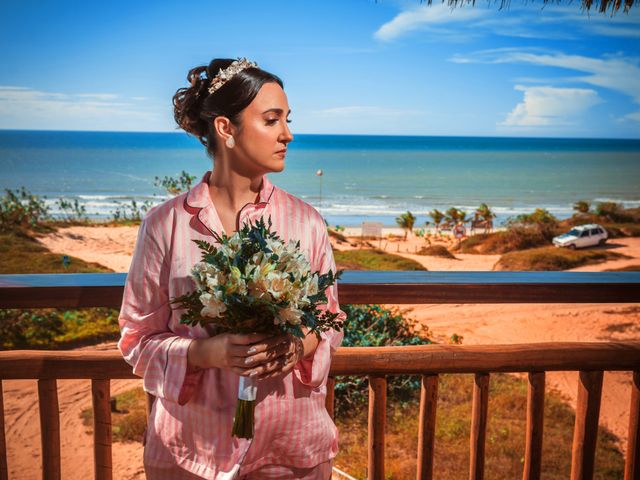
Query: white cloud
(633,116)
(26,108)
(613,72)
(550,106)
(362,110)
(99,96)
(424,17)
(615,31)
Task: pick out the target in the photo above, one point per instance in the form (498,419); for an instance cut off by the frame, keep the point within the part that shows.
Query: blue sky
(390,67)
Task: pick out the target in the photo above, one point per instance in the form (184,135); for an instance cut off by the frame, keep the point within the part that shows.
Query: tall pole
(319,174)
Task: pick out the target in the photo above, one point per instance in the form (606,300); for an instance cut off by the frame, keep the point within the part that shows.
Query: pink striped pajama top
(190,423)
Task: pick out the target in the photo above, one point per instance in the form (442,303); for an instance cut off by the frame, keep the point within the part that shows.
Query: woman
(239,112)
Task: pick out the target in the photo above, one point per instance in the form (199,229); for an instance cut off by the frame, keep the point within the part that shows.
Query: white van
(582,236)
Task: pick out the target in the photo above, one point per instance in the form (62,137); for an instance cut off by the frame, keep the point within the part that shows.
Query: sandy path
(108,246)
(477,323)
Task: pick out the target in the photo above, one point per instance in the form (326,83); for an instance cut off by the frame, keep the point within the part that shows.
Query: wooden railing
(589,359)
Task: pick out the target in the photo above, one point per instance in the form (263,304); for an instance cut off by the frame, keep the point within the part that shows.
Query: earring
(230,142)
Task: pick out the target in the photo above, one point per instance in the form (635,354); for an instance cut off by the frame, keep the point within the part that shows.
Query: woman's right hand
(242,354)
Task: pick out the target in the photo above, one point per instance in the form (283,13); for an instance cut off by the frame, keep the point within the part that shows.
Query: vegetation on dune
(436,251)
(372,259)
(553,259)
(333,232)
(628,268)
(20,252)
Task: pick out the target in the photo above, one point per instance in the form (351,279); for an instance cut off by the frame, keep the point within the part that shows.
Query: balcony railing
(589,359)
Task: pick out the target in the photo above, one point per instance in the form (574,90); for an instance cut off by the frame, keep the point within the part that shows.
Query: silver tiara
(227,74)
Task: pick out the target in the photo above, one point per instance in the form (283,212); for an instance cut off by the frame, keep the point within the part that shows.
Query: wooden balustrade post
(427,426)
(535,417)
(4,469)
(329,401)
(377,424)
(49,428)
(479,411)
(585,432)
(102,459)
(632,462)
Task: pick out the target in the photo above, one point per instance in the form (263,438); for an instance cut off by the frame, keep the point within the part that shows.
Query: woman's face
(264,134)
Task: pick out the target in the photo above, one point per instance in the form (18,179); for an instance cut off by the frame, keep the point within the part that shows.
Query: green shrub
(375,326)
(175,186)
(130,212)
(72,211)
(615,212)
(29,328)
(51,328)
(21,209)
(553,259)
(436,251)
(373,259)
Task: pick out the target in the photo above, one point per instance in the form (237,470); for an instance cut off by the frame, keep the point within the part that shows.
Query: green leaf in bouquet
(206,247)
(309,320)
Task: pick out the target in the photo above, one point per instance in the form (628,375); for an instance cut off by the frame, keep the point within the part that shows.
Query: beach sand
(476,323)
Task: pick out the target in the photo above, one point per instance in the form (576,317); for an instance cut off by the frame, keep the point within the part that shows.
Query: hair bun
(186,104)
(194,77)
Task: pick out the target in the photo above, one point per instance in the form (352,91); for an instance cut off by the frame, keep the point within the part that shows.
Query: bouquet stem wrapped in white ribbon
(255,283)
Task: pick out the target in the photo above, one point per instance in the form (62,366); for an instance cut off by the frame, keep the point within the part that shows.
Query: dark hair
(194,108)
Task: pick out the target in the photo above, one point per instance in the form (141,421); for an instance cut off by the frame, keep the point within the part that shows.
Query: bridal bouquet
(255,283)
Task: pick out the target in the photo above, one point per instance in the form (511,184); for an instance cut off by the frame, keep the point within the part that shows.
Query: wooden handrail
(420,359)
(74,290)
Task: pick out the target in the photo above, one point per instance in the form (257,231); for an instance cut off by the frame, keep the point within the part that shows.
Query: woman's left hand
(278,361)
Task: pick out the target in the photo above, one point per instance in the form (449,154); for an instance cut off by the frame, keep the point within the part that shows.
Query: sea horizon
(181,132)
(365,177)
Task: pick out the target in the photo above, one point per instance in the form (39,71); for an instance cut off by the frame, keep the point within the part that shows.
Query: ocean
(365,178)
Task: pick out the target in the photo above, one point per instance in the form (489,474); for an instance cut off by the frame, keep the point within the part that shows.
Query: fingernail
(248,360)
(253,374)
(251,350)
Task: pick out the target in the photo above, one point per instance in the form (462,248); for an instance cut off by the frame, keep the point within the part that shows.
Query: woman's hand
(255,355)
(269,363)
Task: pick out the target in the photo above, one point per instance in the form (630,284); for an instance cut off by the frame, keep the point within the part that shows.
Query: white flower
(226,250)
(213,307)
(290,315)
(278,284)
(235,283)
(276,246)
(311,287)
(212,281)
